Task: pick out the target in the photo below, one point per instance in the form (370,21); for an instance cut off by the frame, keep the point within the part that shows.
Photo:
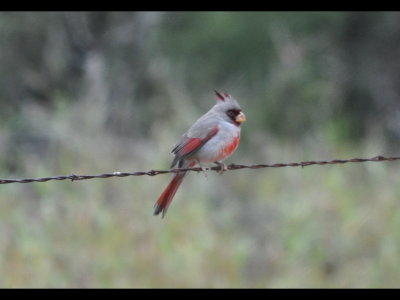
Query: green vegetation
(96,92)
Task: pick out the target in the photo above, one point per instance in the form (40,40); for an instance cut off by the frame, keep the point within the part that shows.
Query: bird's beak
(240,118)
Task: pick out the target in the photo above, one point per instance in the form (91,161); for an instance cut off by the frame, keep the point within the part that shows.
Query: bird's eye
(232,113)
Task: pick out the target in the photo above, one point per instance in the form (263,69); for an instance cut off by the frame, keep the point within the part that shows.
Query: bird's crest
(221,96)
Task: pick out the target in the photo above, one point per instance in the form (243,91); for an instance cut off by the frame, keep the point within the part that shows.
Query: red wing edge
(191,145)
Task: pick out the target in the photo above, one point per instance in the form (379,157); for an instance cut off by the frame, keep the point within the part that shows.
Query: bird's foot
(223,167)
(203,169)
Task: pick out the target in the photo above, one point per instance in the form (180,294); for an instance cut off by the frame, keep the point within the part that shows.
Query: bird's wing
(189,145)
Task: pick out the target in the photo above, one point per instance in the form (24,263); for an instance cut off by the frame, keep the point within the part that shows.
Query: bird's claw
(223,167)
(203,169)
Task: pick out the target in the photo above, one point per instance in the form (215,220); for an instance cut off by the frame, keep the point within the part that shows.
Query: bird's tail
(166,197)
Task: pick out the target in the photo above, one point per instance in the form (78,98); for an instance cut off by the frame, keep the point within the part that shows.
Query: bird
(211,139)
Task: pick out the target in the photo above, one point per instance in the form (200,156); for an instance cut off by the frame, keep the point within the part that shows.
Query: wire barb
(230,167)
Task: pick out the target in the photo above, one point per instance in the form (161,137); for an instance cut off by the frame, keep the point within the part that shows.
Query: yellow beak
(240,118)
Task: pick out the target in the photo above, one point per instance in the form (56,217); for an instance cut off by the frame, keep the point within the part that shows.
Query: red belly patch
(229,149)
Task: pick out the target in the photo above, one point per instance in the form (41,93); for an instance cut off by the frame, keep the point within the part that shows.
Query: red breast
(228,149)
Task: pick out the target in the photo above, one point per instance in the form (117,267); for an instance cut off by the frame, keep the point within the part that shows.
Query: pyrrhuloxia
(212,138)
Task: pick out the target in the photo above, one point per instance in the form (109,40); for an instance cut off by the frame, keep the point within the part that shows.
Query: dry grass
(322,226)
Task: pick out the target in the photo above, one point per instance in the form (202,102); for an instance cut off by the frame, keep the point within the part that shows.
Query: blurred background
(97,92)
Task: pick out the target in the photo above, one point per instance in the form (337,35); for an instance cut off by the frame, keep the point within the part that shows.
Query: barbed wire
(74,177)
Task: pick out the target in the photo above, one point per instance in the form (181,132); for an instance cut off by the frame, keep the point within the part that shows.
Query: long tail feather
(166,197)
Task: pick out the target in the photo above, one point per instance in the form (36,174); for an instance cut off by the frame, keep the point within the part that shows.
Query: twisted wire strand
(231,167)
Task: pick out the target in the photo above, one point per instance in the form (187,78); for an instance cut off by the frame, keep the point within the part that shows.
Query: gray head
(229,108)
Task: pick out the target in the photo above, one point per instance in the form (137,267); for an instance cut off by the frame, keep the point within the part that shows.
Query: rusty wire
(74,177)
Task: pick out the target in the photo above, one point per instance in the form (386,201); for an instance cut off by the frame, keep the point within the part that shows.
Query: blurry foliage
(310,69)
(88,92)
